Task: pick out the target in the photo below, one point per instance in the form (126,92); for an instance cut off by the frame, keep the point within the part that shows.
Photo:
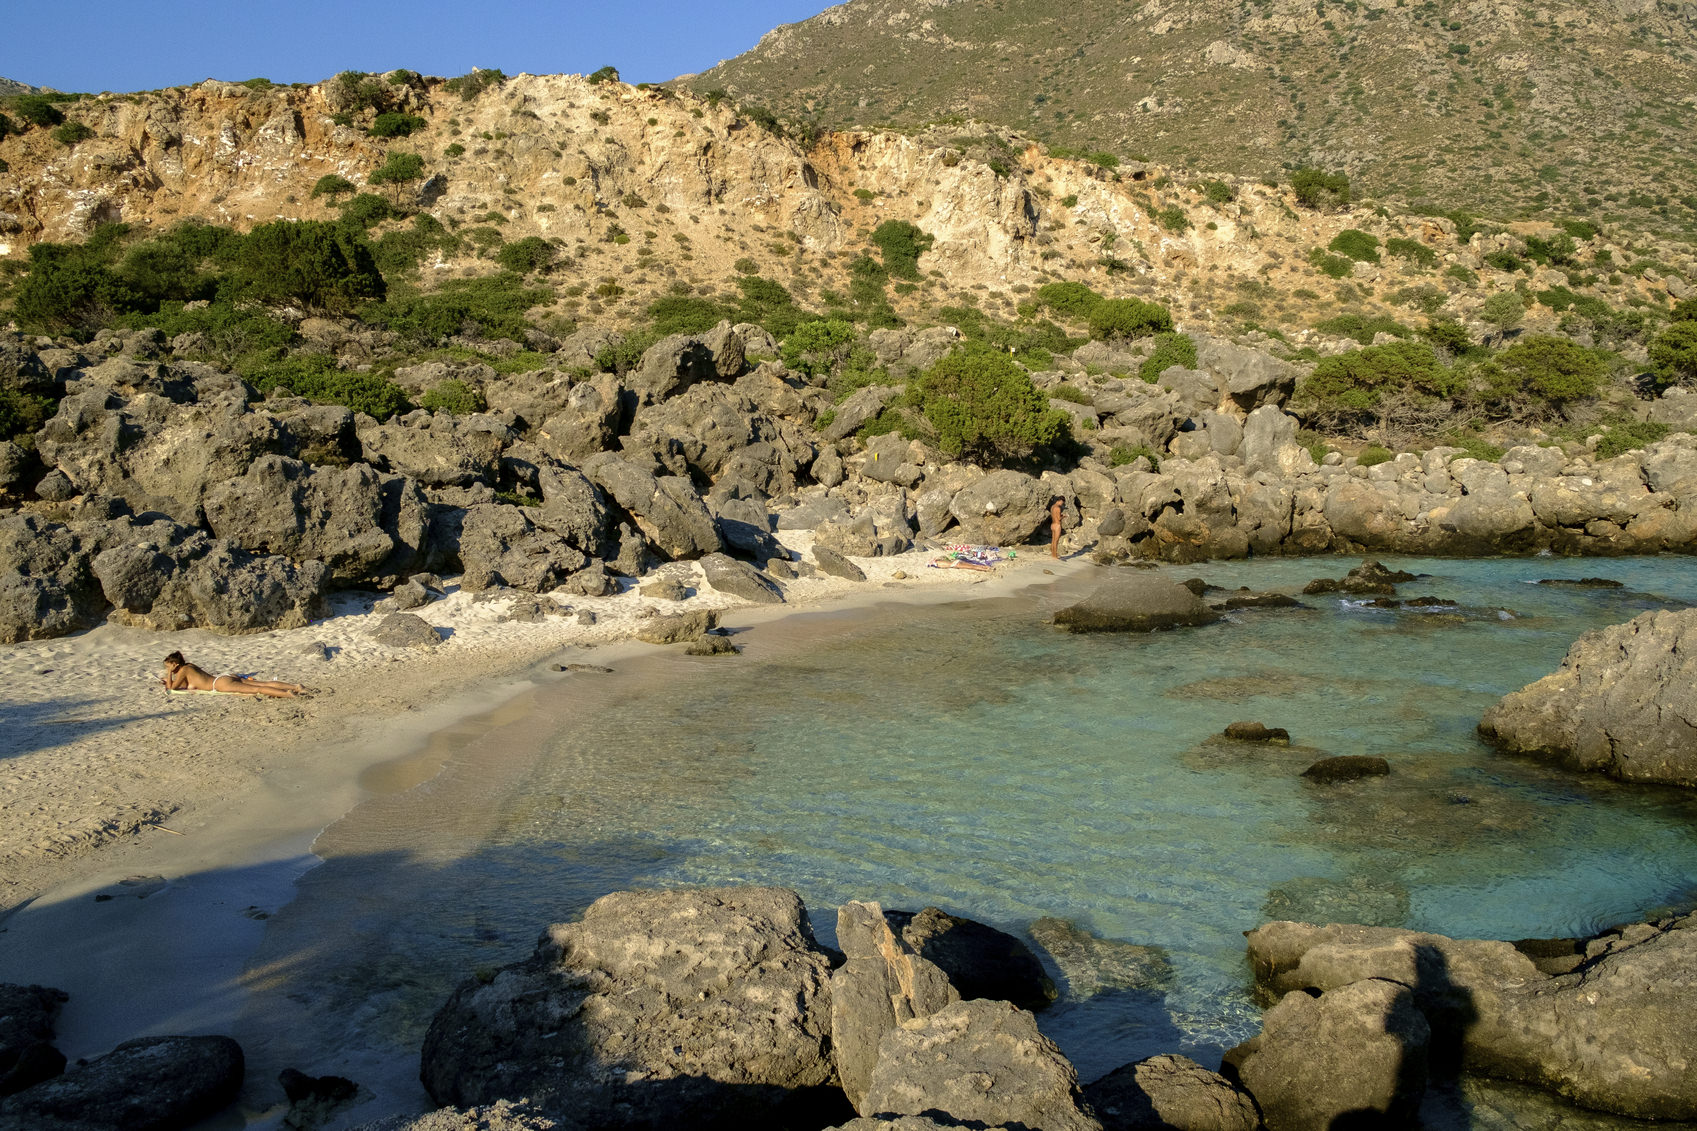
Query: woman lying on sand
(180,675)
(960,563)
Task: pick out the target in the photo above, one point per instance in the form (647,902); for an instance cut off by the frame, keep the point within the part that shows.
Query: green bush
(1361,327)
(393,124)
(1355,387)
(1170,350)
(1128,318)
(1218,192)
(1119,455)
(1673,355)
(332,185)
(360,91)
(491,307)
(1173,218)
(364,210)
(453,396)
(1373,455)
(7,126)
(984,408)
(1450,336)
(473,83)
(604,74)
(1504,260)
(399,253)
(531,254)
(72,132)
(1072,301)
(1504,310)
(69,290)
(22,414)
(817,347)
(1072,394)
(230,332)
(1336,266)
(1625,434)
(315,377)
(37,109)
(1552,369)
(321,265)
(684,314)
(1466,275)
(1556,250)
(1412,250)
(902,244)
(397,169)
(1684,311)
(1363,247)
(453,150)
(1317,189)
(769,304)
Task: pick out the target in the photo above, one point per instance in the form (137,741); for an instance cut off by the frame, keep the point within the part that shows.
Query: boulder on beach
(835,564)
(698,1007)
(1623,703)
(405,630)
(1136,602)
(678,627)
(740,579)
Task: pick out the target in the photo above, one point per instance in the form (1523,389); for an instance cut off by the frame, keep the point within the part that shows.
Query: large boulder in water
(1615,1034)
(1136,602)
(1357,1052)
(701,1008)
(979,1062)
(1623,703)
(149,1084)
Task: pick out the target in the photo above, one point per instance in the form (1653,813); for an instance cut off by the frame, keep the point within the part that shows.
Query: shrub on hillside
(1352,388)
(902,244)
(984,408)
(1673,355)
(768,304)
(397,169)
(398,253)
(453,396)
(321,265)
(1504,310)
(331,185)
(1336,266)
(1536,376)
(531,254)
(1373,455)
(1170,350)
(1218,192)
(315,377)
(1128,318)
(684,314)
(815,348)
(1362,328)
(37,109)
(1363,247)
(1624,434)
(72,132)
(604,74)
(473,83)
(1317,189)
(491,307)
(1073,301)
(1412,250)
(69,290)
(364,210)
(395,124)
(1552,250)
(22,414)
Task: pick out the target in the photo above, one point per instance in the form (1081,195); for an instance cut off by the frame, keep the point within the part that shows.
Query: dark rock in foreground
(151,1084)
(693,1008)
(1346,767)
(979,961)
(27,1055)
(1136,602)
(1623,703)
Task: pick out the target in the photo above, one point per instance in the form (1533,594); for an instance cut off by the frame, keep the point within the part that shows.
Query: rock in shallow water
(1170,1093)
(1136,602)
(1346,767)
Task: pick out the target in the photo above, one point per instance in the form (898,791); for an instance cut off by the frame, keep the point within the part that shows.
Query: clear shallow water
(972,757)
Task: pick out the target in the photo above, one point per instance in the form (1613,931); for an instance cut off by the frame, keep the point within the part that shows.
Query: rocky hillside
(1506,109)
(644,193)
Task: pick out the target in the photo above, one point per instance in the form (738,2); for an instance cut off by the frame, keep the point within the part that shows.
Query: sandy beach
(113,790)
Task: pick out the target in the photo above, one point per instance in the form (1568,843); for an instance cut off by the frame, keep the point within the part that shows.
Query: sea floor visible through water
(970,756)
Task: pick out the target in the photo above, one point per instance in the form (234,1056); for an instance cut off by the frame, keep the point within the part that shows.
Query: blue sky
(124,45)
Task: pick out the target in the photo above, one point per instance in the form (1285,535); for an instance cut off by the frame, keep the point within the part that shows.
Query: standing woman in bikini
(180,675)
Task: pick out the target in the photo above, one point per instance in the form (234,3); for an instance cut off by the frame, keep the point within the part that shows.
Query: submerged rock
(1346,767)
(1170,1093)
(1136,602)
(1256,732)
(1093,965)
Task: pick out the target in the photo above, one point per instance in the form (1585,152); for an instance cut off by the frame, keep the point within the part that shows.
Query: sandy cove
(97,759)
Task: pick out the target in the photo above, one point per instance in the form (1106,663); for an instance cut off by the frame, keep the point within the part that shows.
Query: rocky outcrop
(170,577)
(1614,1033)
(46,586)
(979,1061)
(150,1084)
(1004,508)
(1354,1053)
(1136,602)
(1623,703)
(666,508)
(698,1007)
(27,1055)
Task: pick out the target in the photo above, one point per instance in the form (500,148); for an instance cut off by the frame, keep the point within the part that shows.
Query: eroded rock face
(704,1007)
(1623,703)
(1615,1034)
(46,586)
(978,1060)
(672,517)
(1004,508)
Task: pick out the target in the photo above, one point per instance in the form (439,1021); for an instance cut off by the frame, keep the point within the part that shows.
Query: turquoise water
(972,757)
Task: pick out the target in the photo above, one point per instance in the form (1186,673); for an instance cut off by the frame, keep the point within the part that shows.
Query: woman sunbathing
(960,563)
(180,675)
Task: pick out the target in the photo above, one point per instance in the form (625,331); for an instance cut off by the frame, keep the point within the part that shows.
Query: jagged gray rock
(740,579)
(1170,1093)
(833,563)
(46,586)
(150,1084)
(1092,965)
(1623,703)
(702,1007)
(669,513)
(1004,508)
(405,630)
(27,1014)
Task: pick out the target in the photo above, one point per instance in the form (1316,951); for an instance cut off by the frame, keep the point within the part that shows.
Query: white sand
(96,758)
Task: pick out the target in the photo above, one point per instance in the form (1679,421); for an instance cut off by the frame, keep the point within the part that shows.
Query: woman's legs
(236,685)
